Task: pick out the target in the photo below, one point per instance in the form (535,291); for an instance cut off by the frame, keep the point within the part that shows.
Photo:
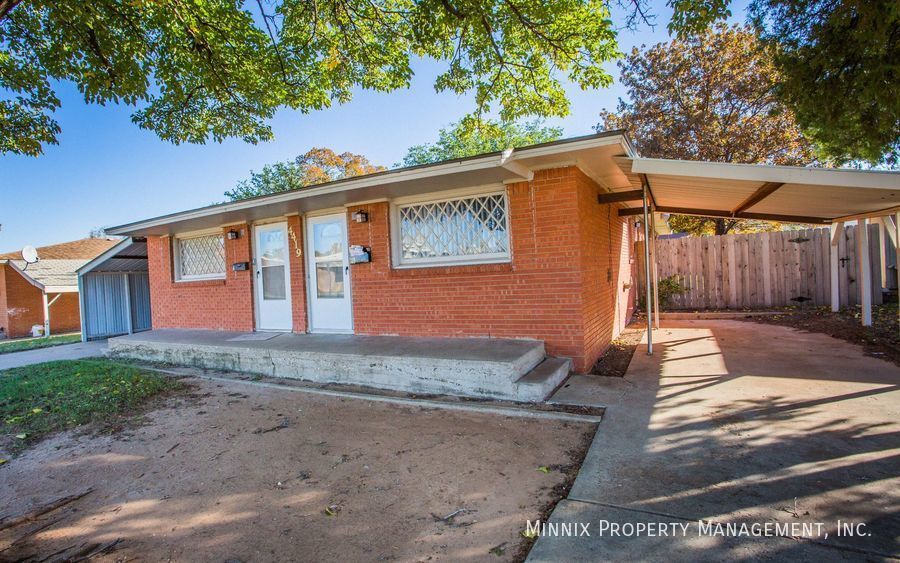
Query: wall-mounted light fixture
(360,216)
(233,235)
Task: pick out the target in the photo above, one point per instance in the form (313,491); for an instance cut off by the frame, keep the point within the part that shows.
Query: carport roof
(787,193)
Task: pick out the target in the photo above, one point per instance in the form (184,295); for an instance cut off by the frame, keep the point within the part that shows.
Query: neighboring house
(32,294)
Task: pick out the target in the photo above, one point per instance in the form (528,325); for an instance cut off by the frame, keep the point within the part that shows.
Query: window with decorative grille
(460,230)
(200,257)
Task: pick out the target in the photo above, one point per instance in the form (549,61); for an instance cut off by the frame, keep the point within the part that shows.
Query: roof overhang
(780,193)
(593,154)
(128,255)
(37,284)
(60,289)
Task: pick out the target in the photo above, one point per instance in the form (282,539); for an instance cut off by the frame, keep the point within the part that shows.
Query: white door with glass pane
(330,308)
(273,277)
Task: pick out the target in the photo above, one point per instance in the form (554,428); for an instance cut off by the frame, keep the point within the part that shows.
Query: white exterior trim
(490,161)
(115,249)
(877,179)
(176,256)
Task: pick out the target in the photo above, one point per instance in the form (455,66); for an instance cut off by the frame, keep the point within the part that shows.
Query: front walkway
(740,422)
(62,352)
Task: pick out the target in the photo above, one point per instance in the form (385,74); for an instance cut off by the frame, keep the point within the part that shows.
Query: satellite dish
(29,254)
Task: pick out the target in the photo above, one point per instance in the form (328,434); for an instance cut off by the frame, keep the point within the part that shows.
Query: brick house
(30,293)
(510,244)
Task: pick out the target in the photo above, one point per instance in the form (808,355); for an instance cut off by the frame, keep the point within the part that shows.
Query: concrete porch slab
(478,367)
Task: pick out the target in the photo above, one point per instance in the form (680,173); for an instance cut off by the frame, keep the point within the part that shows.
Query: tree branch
(6,6)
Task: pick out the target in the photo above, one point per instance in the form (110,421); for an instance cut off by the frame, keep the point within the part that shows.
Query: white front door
(328,264)
(273,277)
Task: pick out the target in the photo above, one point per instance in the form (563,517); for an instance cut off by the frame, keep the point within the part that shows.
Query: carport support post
(865,270)
(837,230)
(46,314)
(655,269)
(649,296)
(882,250)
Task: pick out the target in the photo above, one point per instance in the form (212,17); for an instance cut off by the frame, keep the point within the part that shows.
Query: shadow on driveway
(740,422)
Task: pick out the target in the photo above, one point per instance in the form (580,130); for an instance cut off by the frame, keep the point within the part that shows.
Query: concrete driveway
(737,422)
(62,352)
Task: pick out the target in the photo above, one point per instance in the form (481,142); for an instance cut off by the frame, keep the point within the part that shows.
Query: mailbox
(360,254)
(240,266)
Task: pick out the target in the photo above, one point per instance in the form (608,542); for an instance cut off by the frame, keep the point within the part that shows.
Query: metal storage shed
(114,290)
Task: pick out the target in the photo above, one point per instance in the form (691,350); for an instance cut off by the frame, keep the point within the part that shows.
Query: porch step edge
(542,381)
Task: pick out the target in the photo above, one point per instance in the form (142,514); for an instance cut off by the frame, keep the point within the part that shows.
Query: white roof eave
(877,179)
(489,164)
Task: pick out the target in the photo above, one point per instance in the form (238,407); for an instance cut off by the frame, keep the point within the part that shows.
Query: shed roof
(128,255)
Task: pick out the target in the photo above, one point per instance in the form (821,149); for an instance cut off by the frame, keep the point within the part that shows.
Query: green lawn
(7,346)
(44,398)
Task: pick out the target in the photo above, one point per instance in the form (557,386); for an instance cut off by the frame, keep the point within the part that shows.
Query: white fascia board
(361,182)
(25,275)
(490,161)
(877,179)
(61,289)
(582,144)
(116,248)
(507,161)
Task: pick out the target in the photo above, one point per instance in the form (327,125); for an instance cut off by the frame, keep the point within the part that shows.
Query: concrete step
(540,382)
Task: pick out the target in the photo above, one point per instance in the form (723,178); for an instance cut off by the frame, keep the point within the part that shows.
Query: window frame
(176,256)
(474,259)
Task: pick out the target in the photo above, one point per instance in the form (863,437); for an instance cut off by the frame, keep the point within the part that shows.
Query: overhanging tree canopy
(211,69)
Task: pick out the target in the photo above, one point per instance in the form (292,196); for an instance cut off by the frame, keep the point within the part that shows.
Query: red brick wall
(565,284)
(608,298)
(298,275)
(555,289)
(65,314)
(24,304)
(4,320)
(215,304)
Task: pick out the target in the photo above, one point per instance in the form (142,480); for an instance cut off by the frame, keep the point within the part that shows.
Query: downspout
(649,296)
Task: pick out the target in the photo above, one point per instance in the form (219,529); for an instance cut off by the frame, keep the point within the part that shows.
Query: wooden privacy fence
(752,271)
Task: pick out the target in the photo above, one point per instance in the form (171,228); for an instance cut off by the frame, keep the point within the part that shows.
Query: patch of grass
(40,399)
(35,343)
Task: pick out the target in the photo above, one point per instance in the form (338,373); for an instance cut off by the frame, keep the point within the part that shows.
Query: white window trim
(473,259)
(176,253)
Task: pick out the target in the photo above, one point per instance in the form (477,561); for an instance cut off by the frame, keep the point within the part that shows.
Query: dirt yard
(243,473)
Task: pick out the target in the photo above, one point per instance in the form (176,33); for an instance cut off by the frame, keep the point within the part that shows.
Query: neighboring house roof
(54,275)
(86,248)
(56,271)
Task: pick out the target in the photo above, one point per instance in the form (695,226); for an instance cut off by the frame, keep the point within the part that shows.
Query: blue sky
(106,171)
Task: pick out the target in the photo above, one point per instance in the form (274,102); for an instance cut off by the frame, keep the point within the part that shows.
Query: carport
(817,196)
(114,290)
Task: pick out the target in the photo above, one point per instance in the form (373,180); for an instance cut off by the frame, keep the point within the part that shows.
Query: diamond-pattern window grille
(202,256)
(464,228)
